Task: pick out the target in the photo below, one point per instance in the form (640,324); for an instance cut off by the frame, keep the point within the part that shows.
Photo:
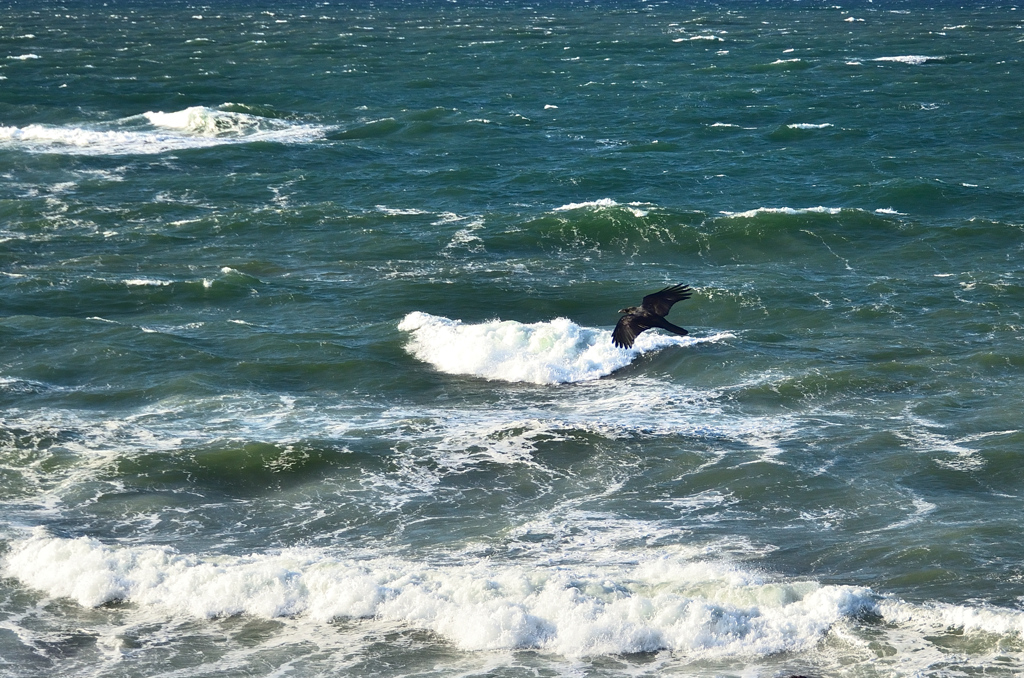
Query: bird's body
(650,313)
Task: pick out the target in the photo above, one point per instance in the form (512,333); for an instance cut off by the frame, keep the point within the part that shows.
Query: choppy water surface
(305,357)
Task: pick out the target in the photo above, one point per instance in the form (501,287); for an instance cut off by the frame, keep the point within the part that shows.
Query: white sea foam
(912,59)
(396,211)
(645,602)
(15,385)
(639,601)
(936,618)
(809,125)
(552,352)
(435,442)
(713,38)
(605,203)
(922,509)
(593,204)
(782,210)
(158,132)
(147,282)
(956,453)
(465,238)
(205,121)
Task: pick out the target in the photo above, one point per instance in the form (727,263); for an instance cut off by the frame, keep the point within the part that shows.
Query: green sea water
(305,339)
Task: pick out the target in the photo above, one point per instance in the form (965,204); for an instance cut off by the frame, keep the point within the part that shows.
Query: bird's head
(631,309)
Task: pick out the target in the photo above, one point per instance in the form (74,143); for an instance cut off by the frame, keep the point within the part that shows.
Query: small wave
(749,214)
(592,204)
(554,352)
(453,438)
(809,125)
(147,282)
(936,618)
(399,211)
(368,129)
(604,203)
(158,132)
(203,121)
(712,38)
(15,385)
(912,59)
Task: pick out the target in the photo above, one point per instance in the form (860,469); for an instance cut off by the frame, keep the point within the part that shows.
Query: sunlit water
(305,355)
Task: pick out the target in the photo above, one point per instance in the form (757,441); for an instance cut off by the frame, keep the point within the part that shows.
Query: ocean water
(305,355)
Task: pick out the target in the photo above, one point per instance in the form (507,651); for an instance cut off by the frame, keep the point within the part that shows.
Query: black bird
(651,313)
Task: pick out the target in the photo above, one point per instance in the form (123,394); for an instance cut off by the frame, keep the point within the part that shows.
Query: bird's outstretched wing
(660,303)
(627,329)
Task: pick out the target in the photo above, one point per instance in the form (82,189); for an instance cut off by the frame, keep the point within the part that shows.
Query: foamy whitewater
(305,340)
(554,352)
(645,602)
(158,132)
(667,601)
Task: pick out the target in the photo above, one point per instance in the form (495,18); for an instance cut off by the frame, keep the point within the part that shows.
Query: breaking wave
(652,602)
(159,132)
(782,210)
(554,352)
(911,59)
(670,599)
(634,208)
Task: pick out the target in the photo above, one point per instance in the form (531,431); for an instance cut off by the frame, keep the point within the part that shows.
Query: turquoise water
(305,339)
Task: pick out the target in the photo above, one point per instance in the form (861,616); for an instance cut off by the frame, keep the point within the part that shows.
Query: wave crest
(912,59)
(159,132)
(663,601)
(204,121)
(672,599)
(554,352)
